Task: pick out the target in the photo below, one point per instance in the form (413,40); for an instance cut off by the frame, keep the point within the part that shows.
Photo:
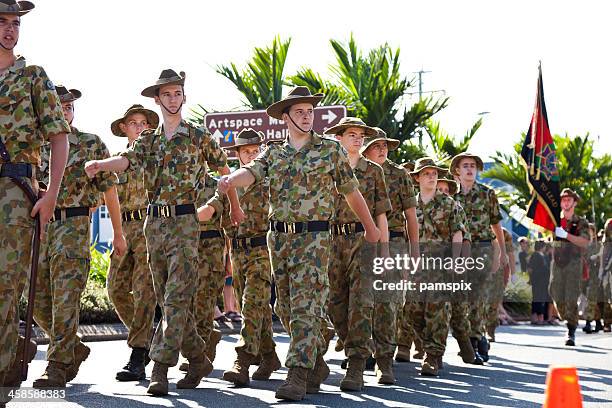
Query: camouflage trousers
(405,332)
(62,274)
(459,321)
(211,278)
(172,247)
(351,302)
(430,321)
(16,230)
(480,299)
(299,265)
(130,287)
(495,298)
(598,307)
(384,328)
(251,281)
(564,289)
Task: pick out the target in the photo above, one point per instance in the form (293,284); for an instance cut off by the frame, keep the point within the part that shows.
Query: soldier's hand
(237,215)
(119,245)
(224,184)
(92,168)
(44,207)
(372,235)
(205,213)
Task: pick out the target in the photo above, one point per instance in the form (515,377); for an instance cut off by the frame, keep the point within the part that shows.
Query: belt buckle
(165,211)
(290,227)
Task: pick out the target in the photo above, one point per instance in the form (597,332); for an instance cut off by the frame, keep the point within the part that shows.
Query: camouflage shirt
(302,181)
(439,219)
(175,169)
(207,194)
(401,194)
(481,209)
(131,189)
(254,201)
(466,234)
(373,188)
(78,190)
(30,112)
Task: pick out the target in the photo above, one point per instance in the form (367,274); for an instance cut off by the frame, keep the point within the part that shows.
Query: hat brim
(392,144)
(74,95)
(150,91)
(416,172)
(235,147)
(575,197)
(24,8)
(452,185)
(335,130)
(152,118)
(455,162)
(276,109)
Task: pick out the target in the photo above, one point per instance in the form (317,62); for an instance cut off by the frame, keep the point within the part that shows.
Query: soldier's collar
(73,136)
(182,128)
(19,64)
(362,164)
(315,140)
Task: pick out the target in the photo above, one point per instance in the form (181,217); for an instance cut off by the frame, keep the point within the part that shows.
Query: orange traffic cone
(562,388)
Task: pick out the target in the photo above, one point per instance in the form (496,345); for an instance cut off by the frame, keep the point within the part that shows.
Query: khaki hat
(425,163)
(151,116)
(408,166)
(247,137)
(452,185)
(392,144)
(167,77)
(571,193)
(299,94)
(351,122)
(65,94)
(465,155)
(15,8)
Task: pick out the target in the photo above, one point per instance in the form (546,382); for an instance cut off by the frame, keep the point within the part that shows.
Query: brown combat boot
(81,352)
(13,375)
(384,371)
(430,365)
(353,379)
(184,367)
(339,345)
(418,346)
(198,369)
(211,345)
(294,387)
(239,373)
(54,376)
(317,375)
(159,380)
(466,351)
(268,364)
(403,354)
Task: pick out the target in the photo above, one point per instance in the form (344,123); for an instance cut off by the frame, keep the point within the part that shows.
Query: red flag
(540,157)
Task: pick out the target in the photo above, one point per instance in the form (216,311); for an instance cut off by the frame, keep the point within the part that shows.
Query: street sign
(224,126)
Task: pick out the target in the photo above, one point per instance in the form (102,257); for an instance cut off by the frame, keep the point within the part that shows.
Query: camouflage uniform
(351,300)
(390,327)
(175,171)
(497,288)
(459,321)
(64,253)
(129,282)
(211,268)
(482,210)
(302,189)
(598,307)
(439,220)
(566,272)
(251,268)
(30,112)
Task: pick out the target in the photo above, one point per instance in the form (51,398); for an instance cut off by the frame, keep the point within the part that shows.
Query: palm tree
(444,145)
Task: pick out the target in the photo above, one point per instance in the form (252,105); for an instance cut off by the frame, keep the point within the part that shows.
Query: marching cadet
(351,300)
(30,114)
(440,224)
(175,157)
(459,322)
(129,282)
(305,172)
(495,309)
(65,253)
(402,222)
(251,269)
(566,270)
(484,225)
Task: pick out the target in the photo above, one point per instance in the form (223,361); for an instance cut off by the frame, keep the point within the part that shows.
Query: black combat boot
(134,370)
(571,336)
(477,357)
(483,348)
(587,327)
(598,326)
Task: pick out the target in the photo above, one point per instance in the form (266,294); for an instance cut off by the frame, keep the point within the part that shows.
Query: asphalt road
(514,377)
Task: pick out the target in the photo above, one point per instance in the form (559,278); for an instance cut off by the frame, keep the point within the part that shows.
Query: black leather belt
(246,243)
(210,234)
(134,215)
(167,211)
(299,227)
(396,234)
(486,241)
(347,229)
(16,170)
(63,213)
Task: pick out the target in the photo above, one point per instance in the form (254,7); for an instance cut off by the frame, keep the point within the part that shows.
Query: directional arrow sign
(225,125)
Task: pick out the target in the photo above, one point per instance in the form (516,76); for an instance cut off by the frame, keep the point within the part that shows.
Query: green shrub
(99,265)
(517,296)
(96,307)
